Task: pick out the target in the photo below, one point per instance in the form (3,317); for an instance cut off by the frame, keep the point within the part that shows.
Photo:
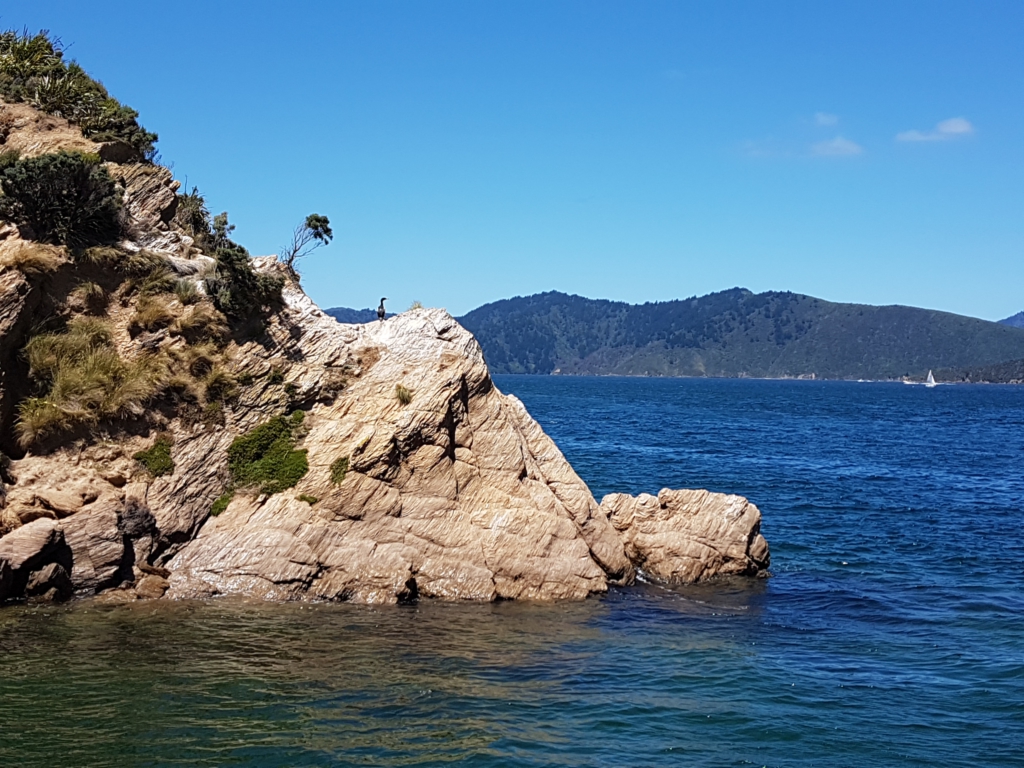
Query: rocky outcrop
(457,494)
(454,492)
(681,537)
(423,479)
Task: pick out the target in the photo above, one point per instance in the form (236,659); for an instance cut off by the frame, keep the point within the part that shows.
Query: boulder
(98,546)
(686,536)
(27,549)
(50,584)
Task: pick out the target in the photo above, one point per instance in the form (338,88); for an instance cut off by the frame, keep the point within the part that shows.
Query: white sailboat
(930,381)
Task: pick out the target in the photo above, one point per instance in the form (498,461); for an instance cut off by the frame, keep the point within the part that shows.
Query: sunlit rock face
(455,494)
(685,536)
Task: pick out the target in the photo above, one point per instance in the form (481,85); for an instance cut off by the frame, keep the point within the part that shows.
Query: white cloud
(947,129)
(837,147)
(824,118)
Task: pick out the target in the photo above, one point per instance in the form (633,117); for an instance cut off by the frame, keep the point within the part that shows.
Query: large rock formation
(423,479)
(456,494)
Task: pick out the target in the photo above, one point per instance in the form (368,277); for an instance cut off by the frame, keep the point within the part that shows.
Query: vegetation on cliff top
(732,333)
(33,70)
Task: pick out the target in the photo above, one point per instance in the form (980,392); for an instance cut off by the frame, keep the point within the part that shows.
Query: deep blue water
(891,634)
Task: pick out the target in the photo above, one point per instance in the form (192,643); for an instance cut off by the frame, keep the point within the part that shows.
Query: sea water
(890,634)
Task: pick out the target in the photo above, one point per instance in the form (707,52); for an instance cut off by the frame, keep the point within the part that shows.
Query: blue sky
(641,151)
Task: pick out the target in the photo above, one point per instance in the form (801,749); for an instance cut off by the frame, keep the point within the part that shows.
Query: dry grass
(153,313)
(187,292)
(31,259)
(92,296)
(219,386)
(403,394)
(202,322)
(139,263)
(85,381)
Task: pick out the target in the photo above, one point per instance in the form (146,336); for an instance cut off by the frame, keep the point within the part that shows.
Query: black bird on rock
(381,314)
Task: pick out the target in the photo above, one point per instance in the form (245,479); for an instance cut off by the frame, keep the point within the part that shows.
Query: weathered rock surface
(30,548)
(458,494)
(688,536)
(50,584)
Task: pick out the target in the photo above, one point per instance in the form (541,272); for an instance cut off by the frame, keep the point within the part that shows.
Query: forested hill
(733,333)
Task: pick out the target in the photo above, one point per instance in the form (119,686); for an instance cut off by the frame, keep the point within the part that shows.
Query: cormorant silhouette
(381,314)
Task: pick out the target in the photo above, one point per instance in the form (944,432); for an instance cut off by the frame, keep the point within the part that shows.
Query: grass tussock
(153,313)
(157,459)
(219,386)
(32,259)
(311,500)
(266,457)
(403,393)
(187,292)
(84,381)
(202,322)
(92,296)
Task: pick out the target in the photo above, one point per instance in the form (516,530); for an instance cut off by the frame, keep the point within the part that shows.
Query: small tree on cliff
(314,232)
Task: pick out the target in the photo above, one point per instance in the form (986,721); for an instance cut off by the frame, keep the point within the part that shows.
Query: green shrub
(157,459)
(237,290)
(32,69)
(311,500)
(403,394)
(66,198)
(222,503)
(339,468)
(265,457)
(276,376)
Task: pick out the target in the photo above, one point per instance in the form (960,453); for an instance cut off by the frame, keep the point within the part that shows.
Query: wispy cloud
(954,128)
(825,119)
(837,147)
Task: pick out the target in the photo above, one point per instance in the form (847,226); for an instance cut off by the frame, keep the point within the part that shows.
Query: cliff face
(456,494)
(416,476)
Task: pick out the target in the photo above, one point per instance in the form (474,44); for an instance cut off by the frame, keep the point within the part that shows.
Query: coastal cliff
(180,420)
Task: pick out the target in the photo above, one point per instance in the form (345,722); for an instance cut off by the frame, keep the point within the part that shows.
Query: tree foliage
(65,198)
(311,234)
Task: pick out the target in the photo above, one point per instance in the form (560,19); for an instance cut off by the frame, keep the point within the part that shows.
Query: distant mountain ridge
(1016,321)
(733,333)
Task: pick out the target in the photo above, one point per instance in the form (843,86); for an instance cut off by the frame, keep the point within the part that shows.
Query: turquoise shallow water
(892,632)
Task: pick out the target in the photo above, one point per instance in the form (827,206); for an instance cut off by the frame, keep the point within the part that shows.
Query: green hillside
(733,333)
